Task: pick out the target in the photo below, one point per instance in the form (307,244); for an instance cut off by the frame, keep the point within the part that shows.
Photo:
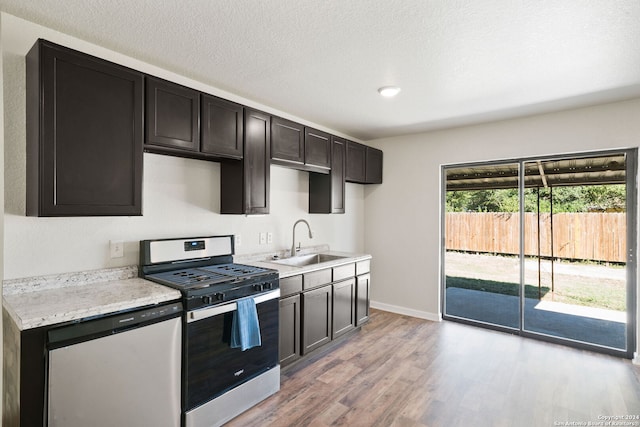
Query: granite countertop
(265,261)
(47,300)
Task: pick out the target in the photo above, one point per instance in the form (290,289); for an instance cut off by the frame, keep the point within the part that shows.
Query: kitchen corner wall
(403,215)
(181,197)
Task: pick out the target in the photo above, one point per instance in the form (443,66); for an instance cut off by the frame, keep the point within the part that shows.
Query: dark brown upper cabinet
(84,134)
(244,184)
(299,147)
(222,127)
(356,162)
(317,148)
(373,172)
(363,164)
(287,142)
(173,115)
(326,192)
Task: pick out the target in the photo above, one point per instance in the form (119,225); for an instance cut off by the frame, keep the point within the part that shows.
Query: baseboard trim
(636,358)
(434,317)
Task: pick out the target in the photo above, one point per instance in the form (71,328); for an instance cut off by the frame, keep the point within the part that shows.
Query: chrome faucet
(293,245)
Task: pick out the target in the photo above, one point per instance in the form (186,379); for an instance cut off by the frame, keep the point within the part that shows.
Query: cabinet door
(257,157)
(326,192)
(173,115)
(363,288)
(222,127)
(316,318)
(317,148)
(356,162)
(344,297)
(373,166)
(287,141)
(84,134)
(337,175)
(289,329)
(244,184)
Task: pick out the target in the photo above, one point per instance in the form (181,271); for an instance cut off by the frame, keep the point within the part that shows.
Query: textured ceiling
(457,61)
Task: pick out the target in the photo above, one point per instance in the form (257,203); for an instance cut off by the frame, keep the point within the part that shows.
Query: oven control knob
(258,287)
(219,296)
(268,285)
(207,299)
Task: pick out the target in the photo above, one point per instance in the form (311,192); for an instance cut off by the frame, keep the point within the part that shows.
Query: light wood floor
(403,371)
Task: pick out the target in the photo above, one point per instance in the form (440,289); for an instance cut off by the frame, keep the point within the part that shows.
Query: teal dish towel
(245,329)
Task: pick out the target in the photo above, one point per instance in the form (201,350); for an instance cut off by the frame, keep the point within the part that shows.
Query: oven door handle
(194,316)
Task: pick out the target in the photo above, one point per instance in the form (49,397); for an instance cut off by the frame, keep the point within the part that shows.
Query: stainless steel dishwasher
(121,370)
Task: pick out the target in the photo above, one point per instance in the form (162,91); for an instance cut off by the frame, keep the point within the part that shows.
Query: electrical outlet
(238,240)
(269,238)
(263,238)
(116,248)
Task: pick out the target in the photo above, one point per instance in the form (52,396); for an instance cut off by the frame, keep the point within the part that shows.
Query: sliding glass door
(482,240)
(540,247)
(575,250)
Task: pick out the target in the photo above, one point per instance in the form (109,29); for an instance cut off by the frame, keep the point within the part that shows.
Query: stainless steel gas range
(219,381)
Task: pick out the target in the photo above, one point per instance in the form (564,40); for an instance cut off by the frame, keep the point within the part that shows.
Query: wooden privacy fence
(584,236)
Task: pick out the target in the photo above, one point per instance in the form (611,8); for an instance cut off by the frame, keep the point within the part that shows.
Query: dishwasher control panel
(146,315)
(103,325)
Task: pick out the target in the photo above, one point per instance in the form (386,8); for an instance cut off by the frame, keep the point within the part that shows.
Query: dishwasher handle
(87,329)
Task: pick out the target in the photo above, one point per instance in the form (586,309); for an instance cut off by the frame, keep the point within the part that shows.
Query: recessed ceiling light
(389,91)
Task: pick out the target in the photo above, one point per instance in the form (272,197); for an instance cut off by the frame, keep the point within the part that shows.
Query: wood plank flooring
(403,371)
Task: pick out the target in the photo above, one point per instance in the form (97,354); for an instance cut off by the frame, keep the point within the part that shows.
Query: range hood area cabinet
(244,184)
(184,122)
(84,134)
(172,116)
(299,147)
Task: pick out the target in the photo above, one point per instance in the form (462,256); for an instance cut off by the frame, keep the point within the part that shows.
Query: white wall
(402,223)
(181,197)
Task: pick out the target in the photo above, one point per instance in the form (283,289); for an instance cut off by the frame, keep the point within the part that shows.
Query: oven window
(213,367)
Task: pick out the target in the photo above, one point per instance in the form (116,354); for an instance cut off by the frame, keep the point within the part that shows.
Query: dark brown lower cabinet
(363,287)
(344,297)
(289,329)
(322,305)
(316,318)
(25,357)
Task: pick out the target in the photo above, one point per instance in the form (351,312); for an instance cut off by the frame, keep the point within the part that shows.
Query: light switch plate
(269,238)
(263,238)
(116,249)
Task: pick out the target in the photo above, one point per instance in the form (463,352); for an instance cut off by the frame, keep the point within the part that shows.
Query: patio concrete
(596,326)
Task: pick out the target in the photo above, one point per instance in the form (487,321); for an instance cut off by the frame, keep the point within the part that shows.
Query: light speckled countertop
(46,300)
(263,260)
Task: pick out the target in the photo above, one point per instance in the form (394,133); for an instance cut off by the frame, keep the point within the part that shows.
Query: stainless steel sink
(310,259)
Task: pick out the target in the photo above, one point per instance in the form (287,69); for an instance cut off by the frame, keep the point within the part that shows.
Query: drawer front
(317,278)
(344,272)
(363,267)
(290,285)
